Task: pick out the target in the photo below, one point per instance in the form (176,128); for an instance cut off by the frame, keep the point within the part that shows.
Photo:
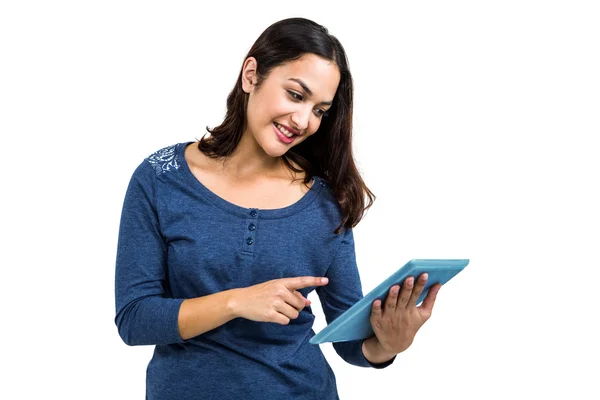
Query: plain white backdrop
(476,126)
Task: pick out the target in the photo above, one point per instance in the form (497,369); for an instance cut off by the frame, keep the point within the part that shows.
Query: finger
(429,301)
(278,318)
(287,310)
(302,282)
(301,297)
(376,313)
(405,292)
(392,298)
(416,293)
(295,299)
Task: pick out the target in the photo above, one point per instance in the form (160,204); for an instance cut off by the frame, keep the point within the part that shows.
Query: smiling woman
(219,246)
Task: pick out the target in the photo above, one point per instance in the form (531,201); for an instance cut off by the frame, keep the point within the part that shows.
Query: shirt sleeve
(343,290)
(144,314)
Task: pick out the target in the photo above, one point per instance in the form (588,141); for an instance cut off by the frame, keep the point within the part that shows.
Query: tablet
(355,322)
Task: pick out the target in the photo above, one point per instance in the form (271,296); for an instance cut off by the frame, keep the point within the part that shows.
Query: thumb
(429,301)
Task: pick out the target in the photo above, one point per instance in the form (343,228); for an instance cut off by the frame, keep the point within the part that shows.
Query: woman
(222,240)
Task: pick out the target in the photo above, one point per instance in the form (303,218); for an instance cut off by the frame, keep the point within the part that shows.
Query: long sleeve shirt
(179,240)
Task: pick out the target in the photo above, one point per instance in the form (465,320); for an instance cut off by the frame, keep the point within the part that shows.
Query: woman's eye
(295,95)
(298,97)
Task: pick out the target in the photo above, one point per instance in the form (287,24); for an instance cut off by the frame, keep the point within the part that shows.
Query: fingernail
(425,276)
(324,280)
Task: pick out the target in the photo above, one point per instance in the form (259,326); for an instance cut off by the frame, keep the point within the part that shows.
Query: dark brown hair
(328,152)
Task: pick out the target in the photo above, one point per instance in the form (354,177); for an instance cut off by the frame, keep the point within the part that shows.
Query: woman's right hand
(275,301)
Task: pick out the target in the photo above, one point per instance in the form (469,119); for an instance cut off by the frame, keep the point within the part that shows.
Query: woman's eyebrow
(307,90)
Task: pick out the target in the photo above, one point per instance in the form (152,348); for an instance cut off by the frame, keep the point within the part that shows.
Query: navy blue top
(179,240)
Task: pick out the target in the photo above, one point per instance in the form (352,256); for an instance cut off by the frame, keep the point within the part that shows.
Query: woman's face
(290,101)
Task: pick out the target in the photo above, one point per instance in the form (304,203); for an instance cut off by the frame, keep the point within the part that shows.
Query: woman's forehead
(321,76)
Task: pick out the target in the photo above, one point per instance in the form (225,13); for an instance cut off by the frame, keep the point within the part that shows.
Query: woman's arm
(373,352)
(276,301)
(202,314)
(145,314)
(343,291)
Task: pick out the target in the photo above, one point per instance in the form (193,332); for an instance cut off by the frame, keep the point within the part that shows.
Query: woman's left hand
(396,324)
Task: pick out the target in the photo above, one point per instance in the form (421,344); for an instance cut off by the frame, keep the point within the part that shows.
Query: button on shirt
(178,240)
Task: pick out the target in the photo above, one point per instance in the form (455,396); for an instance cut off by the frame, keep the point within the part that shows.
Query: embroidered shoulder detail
(164,160)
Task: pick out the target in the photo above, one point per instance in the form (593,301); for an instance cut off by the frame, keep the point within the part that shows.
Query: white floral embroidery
(164,160)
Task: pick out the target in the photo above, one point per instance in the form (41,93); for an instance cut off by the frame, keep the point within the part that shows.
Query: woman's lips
(290,130)
(282,137)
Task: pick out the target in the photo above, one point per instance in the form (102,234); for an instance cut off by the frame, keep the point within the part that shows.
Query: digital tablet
(355,322)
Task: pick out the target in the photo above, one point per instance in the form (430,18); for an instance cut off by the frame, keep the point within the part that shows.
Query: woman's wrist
(374,353)
(233,303)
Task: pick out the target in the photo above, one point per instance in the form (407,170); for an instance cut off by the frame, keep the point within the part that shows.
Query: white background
(476,126)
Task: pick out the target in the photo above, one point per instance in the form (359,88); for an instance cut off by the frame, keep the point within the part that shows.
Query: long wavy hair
(328,152)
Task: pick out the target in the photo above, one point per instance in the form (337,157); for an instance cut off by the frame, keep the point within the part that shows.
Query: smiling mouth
(282,136)
(284,130)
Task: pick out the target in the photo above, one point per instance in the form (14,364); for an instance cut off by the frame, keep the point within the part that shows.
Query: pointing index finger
(304,281)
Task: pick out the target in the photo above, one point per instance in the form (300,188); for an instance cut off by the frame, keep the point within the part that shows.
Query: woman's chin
(275,151)
(275,148)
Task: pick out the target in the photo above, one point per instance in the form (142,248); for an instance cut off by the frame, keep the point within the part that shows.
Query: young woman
(222,240)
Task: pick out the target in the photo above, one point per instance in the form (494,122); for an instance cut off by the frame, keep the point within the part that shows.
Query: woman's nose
(300,119)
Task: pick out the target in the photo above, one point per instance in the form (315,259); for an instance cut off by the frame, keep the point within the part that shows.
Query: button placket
(250,231)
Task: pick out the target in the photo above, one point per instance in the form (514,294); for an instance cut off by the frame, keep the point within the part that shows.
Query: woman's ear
(249,74)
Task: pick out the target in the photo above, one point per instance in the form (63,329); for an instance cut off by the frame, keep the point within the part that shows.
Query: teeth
(283,130)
